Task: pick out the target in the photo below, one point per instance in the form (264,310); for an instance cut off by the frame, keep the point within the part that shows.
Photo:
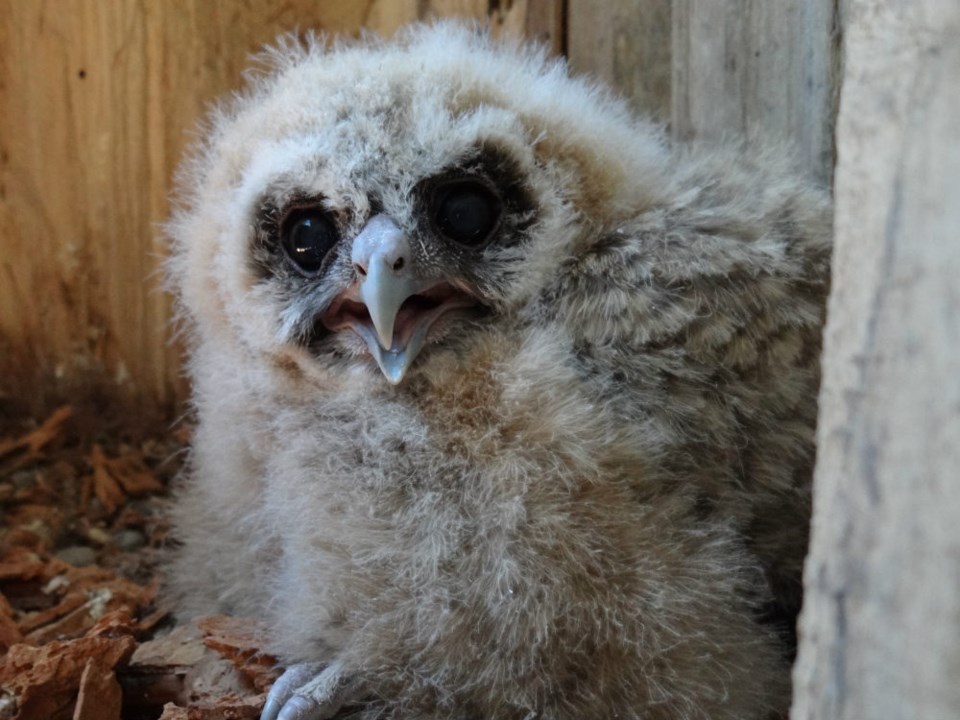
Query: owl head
(368,204)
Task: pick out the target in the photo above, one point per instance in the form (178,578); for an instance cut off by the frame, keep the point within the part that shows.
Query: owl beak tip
(394,365)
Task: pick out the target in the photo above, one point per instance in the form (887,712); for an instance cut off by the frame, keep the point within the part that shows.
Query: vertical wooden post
(880,630)
(752,67)
(719,69)
(627,44)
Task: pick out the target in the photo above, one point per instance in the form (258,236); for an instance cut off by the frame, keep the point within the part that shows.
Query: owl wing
(700,320)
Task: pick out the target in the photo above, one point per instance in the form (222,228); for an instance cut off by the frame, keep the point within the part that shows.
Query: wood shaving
(34,440)
(98,642)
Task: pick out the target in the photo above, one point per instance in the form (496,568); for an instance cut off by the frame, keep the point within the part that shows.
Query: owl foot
(309,691)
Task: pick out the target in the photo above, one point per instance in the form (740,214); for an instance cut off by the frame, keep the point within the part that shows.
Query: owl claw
(287,684)
(309,691)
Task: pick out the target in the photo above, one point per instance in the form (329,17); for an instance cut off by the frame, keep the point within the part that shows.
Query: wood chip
(188,679)
(174,712)
(240,640)
(105,486)
(115,623)
(114,479)
(10,633)
(134,475)
(153,619)
(21,564)
(70,602)
(73,624)
(33,525)
(228,707)
(35,440)
(45,680)
(100,697)
(86,492)
(51,600)
(179,649)
(67,633)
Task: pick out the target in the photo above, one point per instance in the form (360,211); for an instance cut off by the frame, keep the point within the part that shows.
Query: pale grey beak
(381,255)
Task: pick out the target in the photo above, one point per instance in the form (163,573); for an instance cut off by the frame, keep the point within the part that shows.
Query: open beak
(391,307)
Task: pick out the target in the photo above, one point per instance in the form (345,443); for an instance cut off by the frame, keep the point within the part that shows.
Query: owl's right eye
(308,235)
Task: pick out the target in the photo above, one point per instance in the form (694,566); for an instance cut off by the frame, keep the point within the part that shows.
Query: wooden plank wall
(881,618)
(720,68)
(98,99)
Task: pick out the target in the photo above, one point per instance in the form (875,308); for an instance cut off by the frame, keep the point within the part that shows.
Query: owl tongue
(391,305)
(409,325)
(394,362)
(412,325)
(410,328)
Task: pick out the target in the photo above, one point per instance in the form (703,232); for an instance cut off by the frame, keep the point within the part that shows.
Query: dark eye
(465,211)
(307,236)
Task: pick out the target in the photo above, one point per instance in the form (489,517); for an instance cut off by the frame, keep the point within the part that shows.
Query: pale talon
(309,692)
(300,708)
(286,685)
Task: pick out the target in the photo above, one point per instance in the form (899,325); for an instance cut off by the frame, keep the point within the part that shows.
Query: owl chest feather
(478,494)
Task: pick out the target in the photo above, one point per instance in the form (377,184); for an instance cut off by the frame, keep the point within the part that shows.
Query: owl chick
(505,403)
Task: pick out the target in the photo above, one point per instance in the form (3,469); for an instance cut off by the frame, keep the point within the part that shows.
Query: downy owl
(505,402)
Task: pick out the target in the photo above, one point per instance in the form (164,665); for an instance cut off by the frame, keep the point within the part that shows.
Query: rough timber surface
(720,69)
(97,103)
(881,622)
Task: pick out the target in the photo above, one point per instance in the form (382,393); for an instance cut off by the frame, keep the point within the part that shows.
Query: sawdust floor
(85,630)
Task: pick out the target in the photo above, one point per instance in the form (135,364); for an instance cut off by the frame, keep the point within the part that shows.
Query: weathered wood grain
(626,43)
(725,68)
(880,631)
(752,67)
(97,102)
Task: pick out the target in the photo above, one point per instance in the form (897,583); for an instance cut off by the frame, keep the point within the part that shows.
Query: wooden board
(719,69)
(627,44)
(97,102)
(881,622)
(752,67)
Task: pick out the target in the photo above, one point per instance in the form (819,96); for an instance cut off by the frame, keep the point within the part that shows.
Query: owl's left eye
(308,236)
(466,211)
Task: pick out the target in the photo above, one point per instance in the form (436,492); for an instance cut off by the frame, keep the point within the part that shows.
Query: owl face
(377,205)
(385,263)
